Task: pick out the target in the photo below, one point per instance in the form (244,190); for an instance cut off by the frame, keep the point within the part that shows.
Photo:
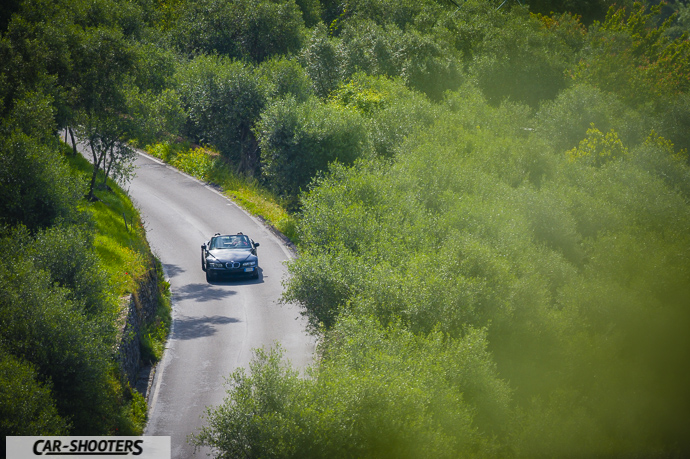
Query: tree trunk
(74,142)
(110,154)
(97,158)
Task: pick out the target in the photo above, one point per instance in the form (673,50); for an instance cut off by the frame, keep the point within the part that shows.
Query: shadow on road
(199,327)
(172,270)
(201,293)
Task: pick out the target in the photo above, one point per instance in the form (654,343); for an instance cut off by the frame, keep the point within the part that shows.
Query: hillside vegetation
(491,201)
(65,266)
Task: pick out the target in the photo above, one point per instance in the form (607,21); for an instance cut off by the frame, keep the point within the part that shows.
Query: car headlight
(249,263)
(212,264)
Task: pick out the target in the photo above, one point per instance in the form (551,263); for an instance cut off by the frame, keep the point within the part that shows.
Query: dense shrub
(522,62)
(564,121)
(36,187)
(627,55)
(26,404)
(392,111)
(426,63)
(42,325)
(429,395)
(674,120)
(67,254)
(320,59)
(299,140)
(579,276)
(286,77)
(238,29)
(223,99)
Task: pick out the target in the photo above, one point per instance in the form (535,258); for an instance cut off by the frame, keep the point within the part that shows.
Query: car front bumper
(233,272)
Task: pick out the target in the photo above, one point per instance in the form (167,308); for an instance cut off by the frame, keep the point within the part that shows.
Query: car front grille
(232,265)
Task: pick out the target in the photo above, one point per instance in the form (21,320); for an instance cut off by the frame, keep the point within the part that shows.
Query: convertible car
(227,255)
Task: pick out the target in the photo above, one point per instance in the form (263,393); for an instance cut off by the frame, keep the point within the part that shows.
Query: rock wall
(140,310)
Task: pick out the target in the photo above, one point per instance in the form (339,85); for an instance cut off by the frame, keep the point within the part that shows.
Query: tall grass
(120,238)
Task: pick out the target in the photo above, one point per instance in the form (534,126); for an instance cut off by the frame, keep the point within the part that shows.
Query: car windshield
(230,242)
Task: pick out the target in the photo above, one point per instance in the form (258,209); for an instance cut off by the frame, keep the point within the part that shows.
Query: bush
(521,62)
(68,255)
(425,62)
(223,99)
(27,406)
(300,140)
(379,392)
(41,325)
(578,276)
(240,29)
(320,58)
(286,77)
(36,188)
(196,162)
(564,121)
(393,111)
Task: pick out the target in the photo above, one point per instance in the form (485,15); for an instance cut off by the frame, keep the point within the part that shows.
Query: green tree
(239,29)
(286,77)
(81,47)
(320,58)
(425,62)
(300,140)
(564,120)
(405,14)
(26,405)
(630,56)
(391,110)
(575,268)
(223,99)
(67,254)
(106,135)
(521,61)
(428,395)
(36,188)
(41,325)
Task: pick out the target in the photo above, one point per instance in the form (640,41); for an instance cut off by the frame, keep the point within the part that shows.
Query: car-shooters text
(117,446)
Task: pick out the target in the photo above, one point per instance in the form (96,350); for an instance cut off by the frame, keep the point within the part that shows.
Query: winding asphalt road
(215,326)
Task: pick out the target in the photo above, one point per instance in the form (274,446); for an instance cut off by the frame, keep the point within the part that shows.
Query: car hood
(226,255)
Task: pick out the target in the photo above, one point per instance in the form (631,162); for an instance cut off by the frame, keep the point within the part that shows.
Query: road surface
(215,326)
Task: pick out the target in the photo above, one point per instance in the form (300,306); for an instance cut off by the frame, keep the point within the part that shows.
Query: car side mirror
(203,247)
(256,244)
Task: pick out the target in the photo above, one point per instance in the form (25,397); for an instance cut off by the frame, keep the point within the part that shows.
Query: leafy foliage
(391,110)
(36,188)
(638,62)
(299,140)
(493,214)
(36,414)
(428,395)
(564,121)
(239,29)
(425,63)
(562,262)
(223,99)
(521,61)
(319,56)
(598,148)
(43,326)
(286,77)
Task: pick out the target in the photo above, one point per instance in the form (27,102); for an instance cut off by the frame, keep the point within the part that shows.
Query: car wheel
(209,276)
(256,274)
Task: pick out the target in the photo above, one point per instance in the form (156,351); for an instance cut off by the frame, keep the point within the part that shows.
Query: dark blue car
(230,255)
